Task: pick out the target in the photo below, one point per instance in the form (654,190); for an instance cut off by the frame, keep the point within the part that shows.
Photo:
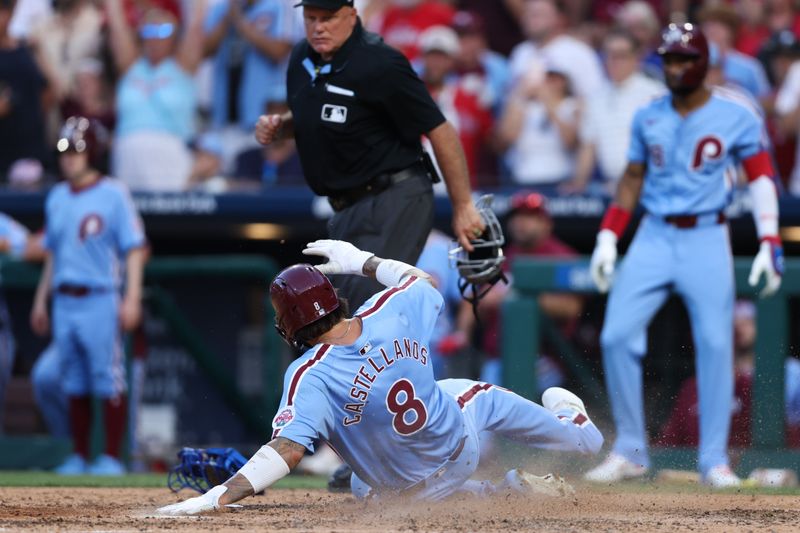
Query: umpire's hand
(268,128)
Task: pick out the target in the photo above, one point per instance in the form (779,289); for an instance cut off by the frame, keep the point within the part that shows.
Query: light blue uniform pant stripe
(697,264)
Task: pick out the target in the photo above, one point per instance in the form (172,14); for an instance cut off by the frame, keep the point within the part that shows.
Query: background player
(682,157)
(367,387)
(90,222)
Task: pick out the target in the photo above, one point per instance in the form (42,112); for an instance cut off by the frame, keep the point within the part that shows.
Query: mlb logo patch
(283,418)
(334,113)
(365,349)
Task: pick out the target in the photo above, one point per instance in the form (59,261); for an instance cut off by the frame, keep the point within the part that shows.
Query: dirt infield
(84,509)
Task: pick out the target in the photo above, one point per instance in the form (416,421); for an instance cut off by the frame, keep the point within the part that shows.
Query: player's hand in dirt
(268,128)
(343,257)
(40,320)
(604,256)
(199,504)
(769,263)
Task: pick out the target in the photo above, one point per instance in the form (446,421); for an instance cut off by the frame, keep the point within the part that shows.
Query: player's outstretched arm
(344,258)
(769,260)
(613,225)
(270,463)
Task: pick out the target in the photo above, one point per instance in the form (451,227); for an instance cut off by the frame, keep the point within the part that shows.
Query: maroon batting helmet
(80,134)
(301,295)
(687,40)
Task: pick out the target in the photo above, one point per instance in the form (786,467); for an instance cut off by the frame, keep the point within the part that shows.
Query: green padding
(22,275)
(32,452)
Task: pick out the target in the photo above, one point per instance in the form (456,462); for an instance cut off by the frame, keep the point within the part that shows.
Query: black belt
(343,199)
(690,221)
(78,291)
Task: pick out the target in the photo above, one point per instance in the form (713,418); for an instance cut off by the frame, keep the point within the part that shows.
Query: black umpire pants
(392,224)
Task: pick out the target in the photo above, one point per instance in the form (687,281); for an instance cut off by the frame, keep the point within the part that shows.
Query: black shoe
(340,479)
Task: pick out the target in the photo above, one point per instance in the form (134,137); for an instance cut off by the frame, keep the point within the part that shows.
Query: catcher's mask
(301,295)
(201,469)
(481,268)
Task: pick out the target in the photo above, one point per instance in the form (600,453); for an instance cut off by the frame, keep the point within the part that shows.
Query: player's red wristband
(616,219)
(772,239)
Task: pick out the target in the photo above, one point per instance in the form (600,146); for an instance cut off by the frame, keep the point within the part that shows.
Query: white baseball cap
(439,39)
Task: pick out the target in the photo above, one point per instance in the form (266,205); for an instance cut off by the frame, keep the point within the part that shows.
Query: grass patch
(48,479)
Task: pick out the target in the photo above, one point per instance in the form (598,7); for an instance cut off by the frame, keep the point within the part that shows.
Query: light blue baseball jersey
(376,401)
(15,233)
(88,230)
(159,97)
(691,161)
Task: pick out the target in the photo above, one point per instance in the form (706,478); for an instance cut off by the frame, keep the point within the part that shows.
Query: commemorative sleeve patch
(283,418)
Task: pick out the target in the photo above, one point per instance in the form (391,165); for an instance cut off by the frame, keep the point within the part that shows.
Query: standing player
(366,386)
(90,222)
(682,157)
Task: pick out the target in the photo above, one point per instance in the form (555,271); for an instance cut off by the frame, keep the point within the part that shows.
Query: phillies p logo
(709,148)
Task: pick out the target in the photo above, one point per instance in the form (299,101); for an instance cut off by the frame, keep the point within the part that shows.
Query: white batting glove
(200,504)
(604,256)
(343,257)
(769,262)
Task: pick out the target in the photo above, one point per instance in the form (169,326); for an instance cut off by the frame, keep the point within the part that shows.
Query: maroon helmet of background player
(685,40)
(301,295)
(82,135)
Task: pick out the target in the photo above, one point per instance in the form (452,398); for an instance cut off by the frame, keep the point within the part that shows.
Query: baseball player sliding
(683,155)
(366,386)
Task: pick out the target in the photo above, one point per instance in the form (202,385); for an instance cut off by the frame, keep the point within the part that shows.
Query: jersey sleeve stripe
(464,399)
(298,374)
(386,296)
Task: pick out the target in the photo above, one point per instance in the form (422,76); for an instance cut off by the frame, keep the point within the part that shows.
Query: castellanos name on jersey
(691,161)
(376,401)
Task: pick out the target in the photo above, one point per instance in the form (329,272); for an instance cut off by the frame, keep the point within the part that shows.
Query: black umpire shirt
(358,116)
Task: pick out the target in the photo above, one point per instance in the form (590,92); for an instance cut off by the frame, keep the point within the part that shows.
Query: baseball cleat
(557,400)
(74,465)
(527,484)
(105,465)
(615,469)
(721,477)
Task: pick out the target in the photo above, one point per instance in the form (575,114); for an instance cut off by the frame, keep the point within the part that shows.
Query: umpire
(358,112)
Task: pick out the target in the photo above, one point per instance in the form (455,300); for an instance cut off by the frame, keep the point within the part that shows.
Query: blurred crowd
(542,92)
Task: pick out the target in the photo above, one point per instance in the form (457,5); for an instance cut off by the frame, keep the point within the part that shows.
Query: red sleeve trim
(772,239)
(758,165)
(616,219)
